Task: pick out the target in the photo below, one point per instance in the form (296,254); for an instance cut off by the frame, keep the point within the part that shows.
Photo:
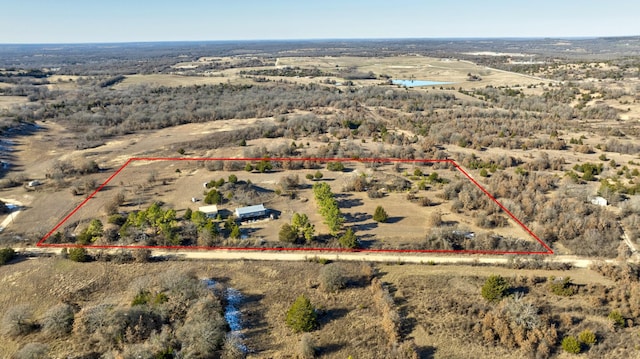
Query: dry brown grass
(350,322)
(436,307)
(9,101)
(444,309)
(176,80)
(416,67)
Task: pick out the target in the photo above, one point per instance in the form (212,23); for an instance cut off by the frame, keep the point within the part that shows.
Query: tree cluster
(328,206)
(156,219)
(92,233)
(213,197)
(576,223)
(300,230)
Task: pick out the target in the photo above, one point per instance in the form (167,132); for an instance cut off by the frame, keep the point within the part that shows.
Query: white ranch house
(210,211)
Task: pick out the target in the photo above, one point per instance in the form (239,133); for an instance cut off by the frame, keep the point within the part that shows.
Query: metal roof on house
(250,209)
(209,209)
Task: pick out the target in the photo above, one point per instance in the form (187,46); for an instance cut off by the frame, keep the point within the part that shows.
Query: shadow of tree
(357,217)
(394,219)
(427,352)
(349,203)
(366,240)
(330,348)
(364,226)
(332,314)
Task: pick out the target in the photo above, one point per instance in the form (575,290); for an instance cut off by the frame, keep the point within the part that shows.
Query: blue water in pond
(418,83)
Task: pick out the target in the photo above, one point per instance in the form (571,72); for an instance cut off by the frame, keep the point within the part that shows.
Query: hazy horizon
(119,21)
(322,40)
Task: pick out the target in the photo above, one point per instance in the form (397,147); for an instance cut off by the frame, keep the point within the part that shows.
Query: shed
(210,211)
(599,201)
(249,212)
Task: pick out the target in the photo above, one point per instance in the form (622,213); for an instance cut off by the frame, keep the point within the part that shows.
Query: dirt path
(12,215)
(632,247)
(577,262)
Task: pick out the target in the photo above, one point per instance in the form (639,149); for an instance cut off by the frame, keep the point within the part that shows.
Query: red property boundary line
(547,251)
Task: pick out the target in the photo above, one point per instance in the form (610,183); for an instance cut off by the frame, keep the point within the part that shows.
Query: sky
(91,21)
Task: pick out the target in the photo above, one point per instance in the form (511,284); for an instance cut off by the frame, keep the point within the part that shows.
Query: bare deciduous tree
(306,347)
(58,320)
(18,320)
(332,277)
(32,351)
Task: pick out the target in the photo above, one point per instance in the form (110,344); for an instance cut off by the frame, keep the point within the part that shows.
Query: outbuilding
(210,211)
(599,201)
(251,212)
